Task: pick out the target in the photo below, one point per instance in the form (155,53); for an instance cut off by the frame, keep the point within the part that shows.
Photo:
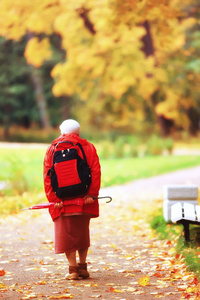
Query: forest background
(119,67)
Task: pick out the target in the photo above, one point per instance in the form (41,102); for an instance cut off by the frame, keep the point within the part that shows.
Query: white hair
(70,126)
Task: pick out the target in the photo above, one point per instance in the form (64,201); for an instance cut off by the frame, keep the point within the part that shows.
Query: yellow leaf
(115,290)
(118,291)
(95,284)
(172,251)
(192,289)
(64,296)
(43,282)
(144,280)
(114,246)
(2,286)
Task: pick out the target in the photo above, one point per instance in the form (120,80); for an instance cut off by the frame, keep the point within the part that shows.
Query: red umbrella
(40,206)
(47,205)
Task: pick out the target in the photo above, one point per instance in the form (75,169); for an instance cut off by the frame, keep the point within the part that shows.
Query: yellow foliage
(103,44)
(169,107)
(160,75)
(187,23)
(146,87)
(37,51)
(61,73)
(12,18)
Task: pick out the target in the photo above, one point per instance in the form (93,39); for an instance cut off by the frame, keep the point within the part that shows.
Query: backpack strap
(64,142)
(84,156)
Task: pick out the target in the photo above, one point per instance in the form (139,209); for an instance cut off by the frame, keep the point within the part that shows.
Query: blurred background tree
(122,67)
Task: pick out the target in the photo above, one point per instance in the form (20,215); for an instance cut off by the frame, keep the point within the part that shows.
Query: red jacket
(74,205)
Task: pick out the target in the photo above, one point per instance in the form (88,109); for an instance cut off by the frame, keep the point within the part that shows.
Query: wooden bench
(178,193)
(185,214)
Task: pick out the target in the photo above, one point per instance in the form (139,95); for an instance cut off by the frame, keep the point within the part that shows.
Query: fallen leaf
(2,272)
(14,260)
(43,282)
(31,296)
(114,246)
(195,281)
(115,290)
(144,280)
(3,287)
(66,296)
(186,296)
(171,251)
(47,242)
(158,274)
(191,289)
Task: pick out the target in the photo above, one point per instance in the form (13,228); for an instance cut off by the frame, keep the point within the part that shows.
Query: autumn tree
(117,52)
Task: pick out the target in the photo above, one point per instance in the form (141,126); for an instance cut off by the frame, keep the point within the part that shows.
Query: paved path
(152,188)
(122,250)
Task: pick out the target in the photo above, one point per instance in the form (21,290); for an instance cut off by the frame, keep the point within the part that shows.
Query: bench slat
(198,212)
(176,212)
(189,212)
(186,214)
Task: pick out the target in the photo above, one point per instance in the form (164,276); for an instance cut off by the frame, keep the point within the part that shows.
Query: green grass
(23,168)
(119,171)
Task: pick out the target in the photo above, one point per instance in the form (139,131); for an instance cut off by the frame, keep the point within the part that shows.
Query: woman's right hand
(58,205)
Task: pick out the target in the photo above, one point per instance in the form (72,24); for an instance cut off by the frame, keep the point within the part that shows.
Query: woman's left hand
(58,205)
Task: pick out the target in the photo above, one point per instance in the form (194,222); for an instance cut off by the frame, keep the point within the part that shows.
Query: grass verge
(188,251)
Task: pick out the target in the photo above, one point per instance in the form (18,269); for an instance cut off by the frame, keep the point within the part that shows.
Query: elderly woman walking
(71,215)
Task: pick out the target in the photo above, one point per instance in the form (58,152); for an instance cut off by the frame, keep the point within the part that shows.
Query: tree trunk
(194,118)
(40,99)
(7,46)
(65,107)
(165,125)
(6,121)
(148,48)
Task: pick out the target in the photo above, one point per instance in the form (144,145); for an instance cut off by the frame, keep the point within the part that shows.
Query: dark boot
(83,271)
(73,273)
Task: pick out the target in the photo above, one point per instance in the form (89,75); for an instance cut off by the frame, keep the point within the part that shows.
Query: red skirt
(71,233)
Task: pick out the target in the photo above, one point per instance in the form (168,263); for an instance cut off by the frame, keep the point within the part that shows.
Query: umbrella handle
(95,198)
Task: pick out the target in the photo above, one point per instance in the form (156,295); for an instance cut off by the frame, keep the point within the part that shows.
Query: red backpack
(70,173)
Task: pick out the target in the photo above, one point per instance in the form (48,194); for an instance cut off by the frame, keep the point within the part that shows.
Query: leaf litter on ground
(125,259)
